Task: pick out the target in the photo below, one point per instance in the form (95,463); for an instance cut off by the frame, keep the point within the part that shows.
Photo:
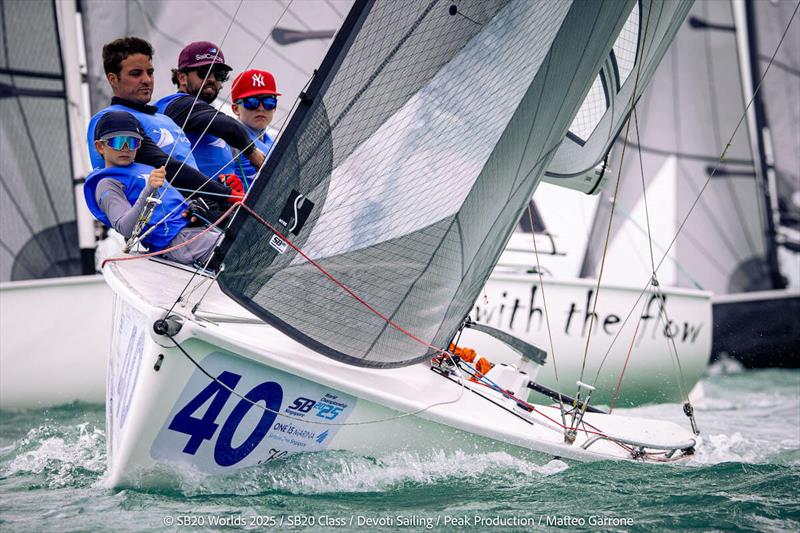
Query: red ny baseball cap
(201,53)
(253,82)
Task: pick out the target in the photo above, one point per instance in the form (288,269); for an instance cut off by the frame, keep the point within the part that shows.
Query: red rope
(533,409)
(343,286)
(624,367)
(171,248)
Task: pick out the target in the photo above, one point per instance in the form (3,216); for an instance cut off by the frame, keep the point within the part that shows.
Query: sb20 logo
(204,428)
(324,410)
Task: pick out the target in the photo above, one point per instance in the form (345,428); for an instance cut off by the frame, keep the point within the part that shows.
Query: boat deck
(412,389)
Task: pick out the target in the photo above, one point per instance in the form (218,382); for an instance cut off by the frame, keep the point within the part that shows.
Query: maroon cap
(201,53)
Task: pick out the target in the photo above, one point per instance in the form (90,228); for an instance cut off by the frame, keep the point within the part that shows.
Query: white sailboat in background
(54,325)
(319,335)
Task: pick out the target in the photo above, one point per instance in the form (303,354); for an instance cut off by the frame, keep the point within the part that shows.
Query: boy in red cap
(255,98)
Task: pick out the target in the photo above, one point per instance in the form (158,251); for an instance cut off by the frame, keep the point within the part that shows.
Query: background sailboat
(46,243)
(741,241)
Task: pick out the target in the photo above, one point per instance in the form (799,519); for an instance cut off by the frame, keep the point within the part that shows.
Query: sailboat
(50,293)
(535,293)
(360,250)
(741,241)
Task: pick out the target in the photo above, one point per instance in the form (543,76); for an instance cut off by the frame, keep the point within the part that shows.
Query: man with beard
(199,77)
(129,71)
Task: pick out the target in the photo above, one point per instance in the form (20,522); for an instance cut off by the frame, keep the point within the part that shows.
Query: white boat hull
(163,409)
(54,337)
(514,302)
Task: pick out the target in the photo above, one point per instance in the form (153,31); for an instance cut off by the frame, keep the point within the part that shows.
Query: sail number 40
(204,428)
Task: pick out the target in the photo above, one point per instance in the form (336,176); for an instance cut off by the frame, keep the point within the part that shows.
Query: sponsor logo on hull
(249,415)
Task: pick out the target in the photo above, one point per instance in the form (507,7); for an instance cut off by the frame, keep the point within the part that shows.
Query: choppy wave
(345,473)
(744,475)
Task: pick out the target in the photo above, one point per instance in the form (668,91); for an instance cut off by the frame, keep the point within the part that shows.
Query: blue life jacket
(134,177)
(160,128)
(241,165)
(211,153)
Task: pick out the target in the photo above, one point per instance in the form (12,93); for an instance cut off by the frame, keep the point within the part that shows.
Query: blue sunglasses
(251,102)
(118,143)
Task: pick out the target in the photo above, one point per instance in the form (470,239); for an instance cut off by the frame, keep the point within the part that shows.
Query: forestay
(417,147)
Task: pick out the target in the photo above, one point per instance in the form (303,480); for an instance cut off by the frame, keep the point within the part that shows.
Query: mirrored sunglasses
(251,103)
(118,143)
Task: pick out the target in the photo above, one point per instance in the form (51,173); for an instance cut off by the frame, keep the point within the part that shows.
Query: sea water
(745,477)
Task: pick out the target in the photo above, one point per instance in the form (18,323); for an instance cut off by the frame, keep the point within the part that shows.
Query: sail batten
(425,138)
(576,155)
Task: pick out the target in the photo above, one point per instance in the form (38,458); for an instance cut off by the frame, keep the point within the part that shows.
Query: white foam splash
(59,457)
(725,365)
(338,472)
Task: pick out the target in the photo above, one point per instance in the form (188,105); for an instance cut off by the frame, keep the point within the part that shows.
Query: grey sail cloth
(605,109)
(695,102)
(412,205)
(780,93)
(38,232)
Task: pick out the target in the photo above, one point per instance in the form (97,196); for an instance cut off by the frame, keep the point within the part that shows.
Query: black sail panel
(407,168)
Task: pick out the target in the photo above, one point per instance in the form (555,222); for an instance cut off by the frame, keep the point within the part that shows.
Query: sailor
(255,97)
(129,71)
(199,77)
(117,194)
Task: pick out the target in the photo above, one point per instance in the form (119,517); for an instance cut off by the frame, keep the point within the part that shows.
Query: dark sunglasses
(220,73)
(118,143)
(251,102)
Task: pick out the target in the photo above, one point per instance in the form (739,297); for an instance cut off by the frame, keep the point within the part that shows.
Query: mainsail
(684,122)
(407,166)
(38,232)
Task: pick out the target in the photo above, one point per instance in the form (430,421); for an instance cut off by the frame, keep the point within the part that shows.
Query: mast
(744,21)
(70,30)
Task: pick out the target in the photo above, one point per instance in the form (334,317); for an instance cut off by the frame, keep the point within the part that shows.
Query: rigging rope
(660,296)
(152,201)
(708,180)
(634,97)
(547,317)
